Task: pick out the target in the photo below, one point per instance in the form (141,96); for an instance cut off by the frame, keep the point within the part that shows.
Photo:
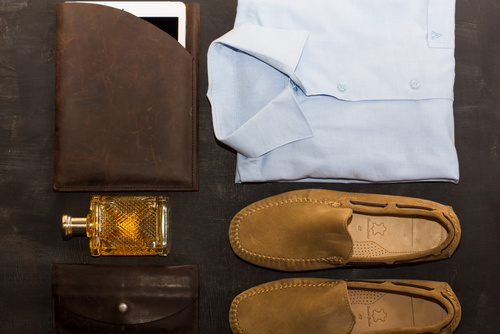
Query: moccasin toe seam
(239,218)
(273,287)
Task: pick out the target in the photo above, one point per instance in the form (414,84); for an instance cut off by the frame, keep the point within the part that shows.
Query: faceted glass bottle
(123,225)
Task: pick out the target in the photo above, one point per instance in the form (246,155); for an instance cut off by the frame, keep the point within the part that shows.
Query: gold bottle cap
(73,227)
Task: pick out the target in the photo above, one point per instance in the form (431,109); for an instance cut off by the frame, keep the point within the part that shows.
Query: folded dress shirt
(337,90)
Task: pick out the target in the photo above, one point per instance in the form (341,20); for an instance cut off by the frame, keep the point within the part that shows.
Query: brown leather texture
(313,229)
(327,306)
(126,102)
(293,306)
(158,299)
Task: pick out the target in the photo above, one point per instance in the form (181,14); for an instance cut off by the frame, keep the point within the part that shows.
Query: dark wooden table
(30,212)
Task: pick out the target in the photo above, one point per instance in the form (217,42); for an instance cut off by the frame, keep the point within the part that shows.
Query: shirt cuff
(280,122)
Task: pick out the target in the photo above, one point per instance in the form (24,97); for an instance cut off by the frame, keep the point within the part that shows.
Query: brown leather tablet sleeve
(125,299)
(126,102)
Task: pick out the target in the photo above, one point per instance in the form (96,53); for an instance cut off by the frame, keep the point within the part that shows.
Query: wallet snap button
(122,307)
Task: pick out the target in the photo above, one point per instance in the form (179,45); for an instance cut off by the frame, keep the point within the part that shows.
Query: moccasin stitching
(241,216)
(334,260)
(456,306)
(258,291)
(451,217)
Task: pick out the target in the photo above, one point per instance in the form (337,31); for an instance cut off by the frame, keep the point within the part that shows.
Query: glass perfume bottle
(123,225)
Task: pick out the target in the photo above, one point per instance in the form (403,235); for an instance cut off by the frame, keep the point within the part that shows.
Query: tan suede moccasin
(326,306)
(317,229)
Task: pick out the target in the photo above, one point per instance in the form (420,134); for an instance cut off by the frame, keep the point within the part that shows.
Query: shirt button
(415,84)
(342,87)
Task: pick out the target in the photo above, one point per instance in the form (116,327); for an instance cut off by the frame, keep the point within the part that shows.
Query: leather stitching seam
(258,291)
(332,260)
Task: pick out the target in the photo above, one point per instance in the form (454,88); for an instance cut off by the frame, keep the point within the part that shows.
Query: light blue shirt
(337,90)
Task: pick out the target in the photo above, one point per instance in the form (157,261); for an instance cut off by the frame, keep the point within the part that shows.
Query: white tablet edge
(151,9)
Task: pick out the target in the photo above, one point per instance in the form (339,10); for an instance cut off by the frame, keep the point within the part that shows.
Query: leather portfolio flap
(124,295)
(126,102)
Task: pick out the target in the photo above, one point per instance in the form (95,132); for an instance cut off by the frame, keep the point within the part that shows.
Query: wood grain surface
(30,211)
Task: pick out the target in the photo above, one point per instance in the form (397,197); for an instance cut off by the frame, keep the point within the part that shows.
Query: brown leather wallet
(124,299)
(126,102)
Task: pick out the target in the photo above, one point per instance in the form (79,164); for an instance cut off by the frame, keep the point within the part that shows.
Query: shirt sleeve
(236,64)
